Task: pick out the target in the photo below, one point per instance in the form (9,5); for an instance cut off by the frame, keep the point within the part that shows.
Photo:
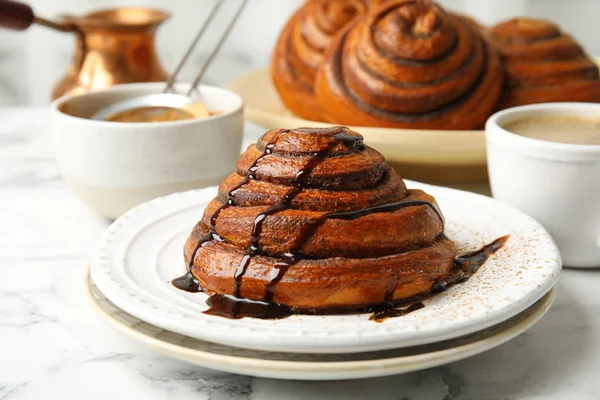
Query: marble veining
(53,346)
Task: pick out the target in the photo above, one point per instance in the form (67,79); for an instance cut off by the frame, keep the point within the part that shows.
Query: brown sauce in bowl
(151,114)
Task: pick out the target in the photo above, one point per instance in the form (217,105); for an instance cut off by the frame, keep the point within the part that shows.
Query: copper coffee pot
(112,46)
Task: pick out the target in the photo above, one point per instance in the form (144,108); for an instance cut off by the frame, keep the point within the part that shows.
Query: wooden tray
(433,156)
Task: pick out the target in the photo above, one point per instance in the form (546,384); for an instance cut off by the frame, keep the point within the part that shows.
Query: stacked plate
(142,252)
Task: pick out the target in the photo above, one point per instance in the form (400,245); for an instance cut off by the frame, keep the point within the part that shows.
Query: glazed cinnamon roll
(542,64)
(409,64)
(314,219)
(299,51)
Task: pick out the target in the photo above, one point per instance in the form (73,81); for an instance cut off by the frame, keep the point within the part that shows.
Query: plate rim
(312,370)
(113,290)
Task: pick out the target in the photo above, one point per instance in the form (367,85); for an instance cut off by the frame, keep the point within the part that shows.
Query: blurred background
(31,62)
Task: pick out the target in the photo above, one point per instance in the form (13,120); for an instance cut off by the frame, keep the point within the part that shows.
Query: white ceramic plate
(142,251)
(313,366)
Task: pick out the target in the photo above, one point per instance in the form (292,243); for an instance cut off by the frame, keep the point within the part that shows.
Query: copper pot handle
(19,16)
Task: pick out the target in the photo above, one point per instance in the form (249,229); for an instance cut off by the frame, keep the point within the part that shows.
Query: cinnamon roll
(542,64)
(409,64)
(299,51)
(313,219)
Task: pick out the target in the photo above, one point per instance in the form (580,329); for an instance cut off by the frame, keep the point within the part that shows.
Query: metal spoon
(174,100)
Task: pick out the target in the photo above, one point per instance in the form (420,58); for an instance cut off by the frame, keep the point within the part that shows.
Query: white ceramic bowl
(556,183)
(113,166)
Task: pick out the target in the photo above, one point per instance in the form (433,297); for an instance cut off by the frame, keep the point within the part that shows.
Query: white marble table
(52,346)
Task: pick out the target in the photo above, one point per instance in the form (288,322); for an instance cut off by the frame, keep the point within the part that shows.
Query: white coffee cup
(114,166)
(558,184)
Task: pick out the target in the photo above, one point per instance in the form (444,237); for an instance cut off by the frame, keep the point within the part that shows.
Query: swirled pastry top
(542,64)
(300,47)
(409,63)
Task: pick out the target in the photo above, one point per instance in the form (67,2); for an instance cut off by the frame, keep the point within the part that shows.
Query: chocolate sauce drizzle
(352,142)
(227,306)
(385,311)
(187,282)
(464,267)
(469,263)
(237,307)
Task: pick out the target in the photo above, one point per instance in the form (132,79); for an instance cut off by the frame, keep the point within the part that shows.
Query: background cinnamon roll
(409,64)
(299,51)
(313,219)
(542,64)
